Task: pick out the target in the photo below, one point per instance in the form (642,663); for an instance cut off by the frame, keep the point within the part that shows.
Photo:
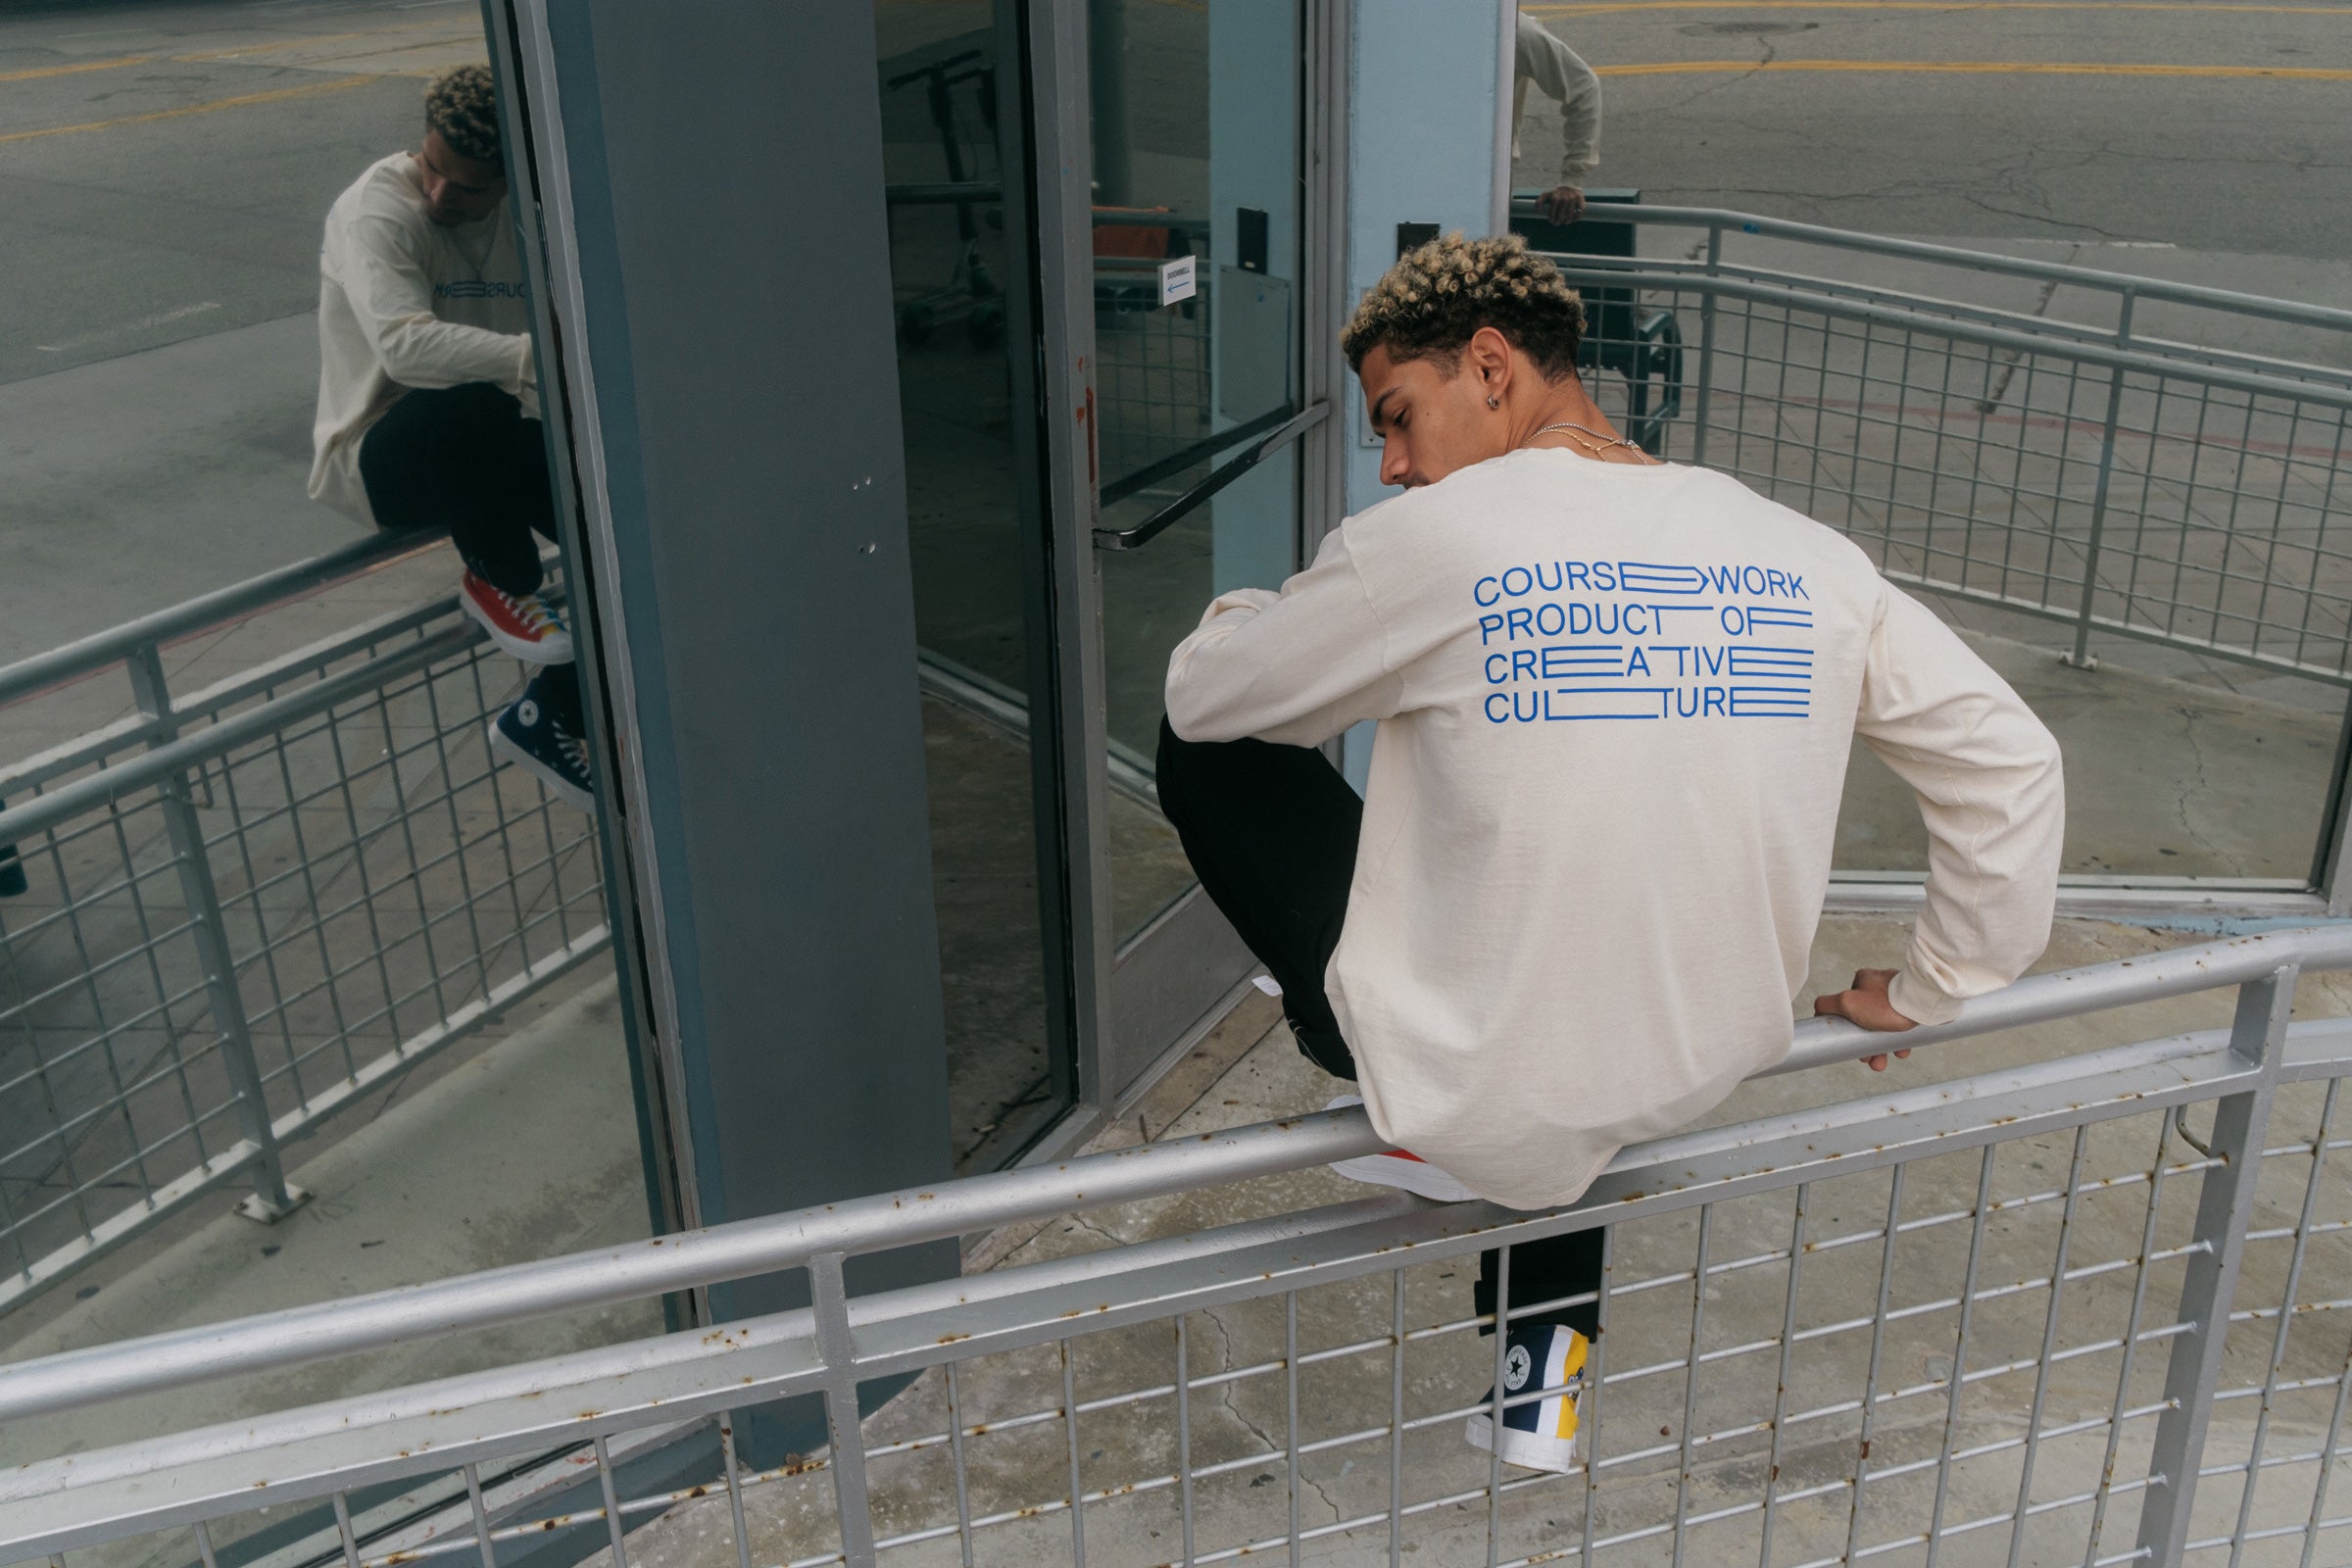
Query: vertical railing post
(2224,1208)
(272,1197)
(829,1297)
(2079,655)
(1706,349)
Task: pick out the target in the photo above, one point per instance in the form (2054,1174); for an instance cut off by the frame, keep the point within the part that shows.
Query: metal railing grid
(253,904)
(2008,1317)
(1152,383)
(2081,468)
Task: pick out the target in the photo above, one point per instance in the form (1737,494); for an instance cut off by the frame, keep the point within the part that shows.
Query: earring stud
(1494,402)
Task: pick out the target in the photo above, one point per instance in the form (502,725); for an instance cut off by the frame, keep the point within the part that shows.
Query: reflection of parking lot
(164,170)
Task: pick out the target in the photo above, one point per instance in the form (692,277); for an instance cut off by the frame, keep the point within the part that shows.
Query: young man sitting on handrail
(1616,697)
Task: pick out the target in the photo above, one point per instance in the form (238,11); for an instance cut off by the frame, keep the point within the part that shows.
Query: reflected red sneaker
(1393,1167)
(521,625)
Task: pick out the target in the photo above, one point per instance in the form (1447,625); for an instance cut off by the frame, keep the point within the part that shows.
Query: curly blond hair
(1436,297)
(462,104)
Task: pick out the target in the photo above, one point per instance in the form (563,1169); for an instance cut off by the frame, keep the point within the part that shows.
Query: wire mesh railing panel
(2274,1444)
(1858,1368)
(2184,494)
(1152,375)
(109,1057)
(330,880)
(377,872)
(1996,1319)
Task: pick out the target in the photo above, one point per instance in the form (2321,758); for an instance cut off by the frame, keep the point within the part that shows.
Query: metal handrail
(1183,506)
(117,642)
(148,768)
(1675,273)
(762,1246)
(2145,288)
(2106,356)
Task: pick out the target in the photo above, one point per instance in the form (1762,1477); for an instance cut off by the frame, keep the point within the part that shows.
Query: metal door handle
(1143,532)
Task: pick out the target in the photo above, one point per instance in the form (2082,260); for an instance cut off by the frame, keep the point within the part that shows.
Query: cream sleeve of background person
(1561,75)
(1615,709)
(406,302)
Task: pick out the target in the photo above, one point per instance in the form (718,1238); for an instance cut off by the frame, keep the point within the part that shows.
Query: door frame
(1138,1006)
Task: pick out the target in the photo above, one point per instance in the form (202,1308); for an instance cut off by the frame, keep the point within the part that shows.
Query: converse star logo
(528,712)
(1515,1368)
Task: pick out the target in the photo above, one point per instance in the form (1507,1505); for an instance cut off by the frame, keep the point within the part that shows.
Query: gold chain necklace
(1596,445)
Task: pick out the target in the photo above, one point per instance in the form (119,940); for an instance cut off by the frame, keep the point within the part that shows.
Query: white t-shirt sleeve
(1992,793)
(374,258)
(1296,668)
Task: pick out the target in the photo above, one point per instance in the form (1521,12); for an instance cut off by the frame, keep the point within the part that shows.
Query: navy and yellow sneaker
(527,735)
(12,869)
(1540,1435)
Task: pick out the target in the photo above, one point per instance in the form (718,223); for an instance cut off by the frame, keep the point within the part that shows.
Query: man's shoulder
(385,188)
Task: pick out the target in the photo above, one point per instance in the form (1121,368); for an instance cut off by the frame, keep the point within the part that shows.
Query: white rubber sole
(555,650)
(554,783)
(1395,1168)
(1525,1449)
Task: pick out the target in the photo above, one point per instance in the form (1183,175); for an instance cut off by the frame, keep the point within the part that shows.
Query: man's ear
(1490,355)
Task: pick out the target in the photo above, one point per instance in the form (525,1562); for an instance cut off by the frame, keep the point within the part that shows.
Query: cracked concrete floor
(1020,1464)
(2163,776)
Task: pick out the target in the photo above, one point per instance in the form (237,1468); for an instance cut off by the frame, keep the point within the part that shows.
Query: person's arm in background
(1991,790)
(374,258)
(1558,73)
(1296,667)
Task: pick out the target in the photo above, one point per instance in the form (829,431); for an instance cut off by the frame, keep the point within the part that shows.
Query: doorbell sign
(1176,281)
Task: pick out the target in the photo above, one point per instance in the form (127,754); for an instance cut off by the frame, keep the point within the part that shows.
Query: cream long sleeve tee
(406,303)
(1616,705)
(1541,58)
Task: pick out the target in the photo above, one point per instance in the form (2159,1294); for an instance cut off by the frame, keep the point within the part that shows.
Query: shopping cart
(973,188)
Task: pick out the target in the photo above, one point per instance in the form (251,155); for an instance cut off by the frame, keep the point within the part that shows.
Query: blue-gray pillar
(711,183)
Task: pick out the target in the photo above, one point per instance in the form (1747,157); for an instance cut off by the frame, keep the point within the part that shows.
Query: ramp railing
(247,906)
(2141,457)
(2086,1308)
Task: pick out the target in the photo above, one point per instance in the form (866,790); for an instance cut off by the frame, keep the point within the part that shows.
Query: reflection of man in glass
(1616,701)
(1560,75)
(428,396)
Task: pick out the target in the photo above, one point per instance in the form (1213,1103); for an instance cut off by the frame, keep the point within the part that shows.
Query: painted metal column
(2209,1287)
(711,179)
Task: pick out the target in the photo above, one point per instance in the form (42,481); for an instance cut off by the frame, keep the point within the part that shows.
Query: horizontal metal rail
(599,1396)
(747,1247)
(118,643)
(151,767)
(2090,278)
(2016,340)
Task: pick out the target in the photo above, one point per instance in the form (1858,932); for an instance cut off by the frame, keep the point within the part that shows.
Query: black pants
(1271,832)
(464,457)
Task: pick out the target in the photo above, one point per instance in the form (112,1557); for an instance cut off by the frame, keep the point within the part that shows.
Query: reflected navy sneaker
(526,734)
(1540,1435)
(12,869)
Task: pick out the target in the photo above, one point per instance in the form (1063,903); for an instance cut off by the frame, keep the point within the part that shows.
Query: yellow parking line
(73,70)
(1593,8)
(334,37)
(208,107)
(1992,67)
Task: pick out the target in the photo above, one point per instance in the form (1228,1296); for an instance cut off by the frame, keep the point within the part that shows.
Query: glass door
(951,86)
(1198,229)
